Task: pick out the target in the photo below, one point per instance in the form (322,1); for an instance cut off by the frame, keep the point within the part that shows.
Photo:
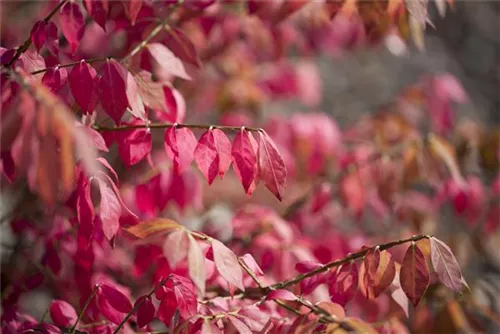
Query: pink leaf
(96,138)
(414,275)
(239,325)
(196,262)
(445,265)
(344,284)
(62,313)
(175,247)
(206,156)
(113,89)
(55,78)
(110,211)
(244,160)
(249,260)
(175,106)
(72,24)
(272,168)
(281,294)
(181,142)
(133,97)
(39,34)
(83,86)
(227,264)
(223,147)
(132,9)
(165,63)
(209,328)
(98,10)
(145,312)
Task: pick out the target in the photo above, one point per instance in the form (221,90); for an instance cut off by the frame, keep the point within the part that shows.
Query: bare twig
(169,125)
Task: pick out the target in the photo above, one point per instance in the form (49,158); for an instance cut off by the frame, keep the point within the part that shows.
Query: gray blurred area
(465,43)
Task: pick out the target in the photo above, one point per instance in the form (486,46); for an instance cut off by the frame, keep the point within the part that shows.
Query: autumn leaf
(159,225)
(414,275)
(272,170)
(445,265)
(227,264)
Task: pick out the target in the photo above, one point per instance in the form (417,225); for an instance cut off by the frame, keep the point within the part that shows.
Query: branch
(169,125)
(87,303)
(352,257)
(136,307)
(27,43)
(152,34)
(92,60)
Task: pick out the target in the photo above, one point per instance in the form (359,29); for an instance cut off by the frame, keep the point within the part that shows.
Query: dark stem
(352,257)
(92,60)
(136,306)
(27,43)
(87,303)
(152,34)
(169,125)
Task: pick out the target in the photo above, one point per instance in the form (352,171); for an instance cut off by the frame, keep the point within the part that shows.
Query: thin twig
(27,43)
(89,61)
(152,34)
(87,303)
(169,125)
(136,306)
(352,257)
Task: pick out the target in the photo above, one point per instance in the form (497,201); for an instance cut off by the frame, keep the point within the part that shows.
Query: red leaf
(175,106)
(414,275)
(62,313)
(113,89)
(244,160)
(239,325)
(445,265)
(134,146)
(181,143)
(167,308)
(344,284)
(385,273)
(98,10)
(132,9)
(72,24)
(206,156)
(51,258)
(182,47)
(85,208)
(116,299)
(227,264)
(175,247)
(145,312)
(83,86)
(55,78)
(281,294)
(272,168)
(110,210)
(165,63)
(196,262)
(371,263)
(43,32)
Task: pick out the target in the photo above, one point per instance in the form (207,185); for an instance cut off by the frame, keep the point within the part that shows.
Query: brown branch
(153,33)
(169,125)
(92,60)
(352,257)
(27,43)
